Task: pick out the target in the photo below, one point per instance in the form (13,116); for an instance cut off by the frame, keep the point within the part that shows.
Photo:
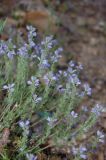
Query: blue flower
(100,136)
(72,64)
(73,114)
(87,89)
(34,81)
(60,89)
(48,42)
(97,110)
(23,51)
(9,87)
(80,151)
(37,99)
(25,126)
(11,54)
(74,79)
(3,48)
(45,64)
(49,77)
(31,34)
(30,156)
(51,121)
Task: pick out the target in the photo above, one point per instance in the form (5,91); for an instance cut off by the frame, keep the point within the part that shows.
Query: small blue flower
(3,48)
(30,156)
(74,79)
(23,51)
(45,64)
(71,71)
(9,87)
(48,42)
(79,67)
(34,81)
(87,89)
(46,79)
(97,110)
(37,99)
(49,77)
(73,114)
(60,89)
(81,151)
(11,54)
(25,126)
(100,136)
(31,34)
(51,121)
(72,64)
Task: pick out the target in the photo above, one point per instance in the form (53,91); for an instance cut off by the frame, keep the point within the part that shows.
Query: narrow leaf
(2,25)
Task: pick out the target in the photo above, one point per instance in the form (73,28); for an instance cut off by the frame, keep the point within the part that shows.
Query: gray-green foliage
(2,24)
(39,101)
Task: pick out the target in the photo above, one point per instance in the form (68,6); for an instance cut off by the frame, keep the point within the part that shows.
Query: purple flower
(25,126)
(31,34)
(100,136)
(97,110)
(49,77)
(30,28)
(48,42)
(3,48)
(87,89)
(30,156)
(74,150)
(23,51)
(45,64)
(72,64)
(79,67)
(60,89)
(71,71)
(46,79)
(73,114)
(80,94)
(37,99)
(65,74)
(74,79)
(81,151)
(55,57)
(34,81)
(11,54)
(9,87)
(58,51)
(51,121)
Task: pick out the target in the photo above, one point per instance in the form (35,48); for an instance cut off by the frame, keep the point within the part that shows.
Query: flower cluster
(47,97)
(31,35)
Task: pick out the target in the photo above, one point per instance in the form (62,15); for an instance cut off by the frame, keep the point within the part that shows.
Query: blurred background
(78,25)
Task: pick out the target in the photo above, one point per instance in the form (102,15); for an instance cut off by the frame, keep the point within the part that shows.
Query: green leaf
(2,25)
